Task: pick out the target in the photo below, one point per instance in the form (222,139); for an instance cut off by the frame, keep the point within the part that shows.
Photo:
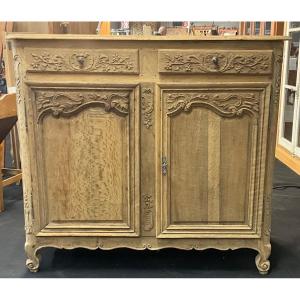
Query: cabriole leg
(262,259)
(33,259)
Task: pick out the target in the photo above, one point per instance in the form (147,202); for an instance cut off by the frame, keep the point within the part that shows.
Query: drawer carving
(190,61)
(66,103)
(226,104)
(82,60)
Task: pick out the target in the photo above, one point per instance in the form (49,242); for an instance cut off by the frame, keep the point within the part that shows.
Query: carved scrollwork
(33,258)
(146,246)
(222,62)
(67,103)
(226,104)
(147,105)
(106,61)
(263,266)
(262,259)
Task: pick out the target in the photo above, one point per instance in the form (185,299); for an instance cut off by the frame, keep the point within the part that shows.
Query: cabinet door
(87,161)
(211,161)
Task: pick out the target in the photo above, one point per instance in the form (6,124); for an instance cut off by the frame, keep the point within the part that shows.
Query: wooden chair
(8,119)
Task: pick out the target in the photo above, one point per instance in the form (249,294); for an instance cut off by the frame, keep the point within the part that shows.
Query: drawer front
(215,61)
(212,161)
(124,61)
(88,160)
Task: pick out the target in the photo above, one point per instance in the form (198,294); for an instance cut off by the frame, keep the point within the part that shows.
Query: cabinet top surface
(34,36)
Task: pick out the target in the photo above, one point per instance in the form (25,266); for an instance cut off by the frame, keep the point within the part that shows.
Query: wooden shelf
(287,158)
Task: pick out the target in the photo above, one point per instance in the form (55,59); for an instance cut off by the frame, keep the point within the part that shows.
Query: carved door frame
(251,230)
(38,110)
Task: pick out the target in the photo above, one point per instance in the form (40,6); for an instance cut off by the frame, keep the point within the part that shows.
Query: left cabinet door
(87,147)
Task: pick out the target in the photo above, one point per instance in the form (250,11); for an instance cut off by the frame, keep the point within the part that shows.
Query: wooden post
(2,152)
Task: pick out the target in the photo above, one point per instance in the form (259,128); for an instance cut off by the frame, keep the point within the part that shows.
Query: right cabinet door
(211,160)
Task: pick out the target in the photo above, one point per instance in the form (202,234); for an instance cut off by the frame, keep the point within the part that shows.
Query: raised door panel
(88,161)
(212,168)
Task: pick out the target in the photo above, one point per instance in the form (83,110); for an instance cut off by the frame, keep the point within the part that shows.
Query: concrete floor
(125,263)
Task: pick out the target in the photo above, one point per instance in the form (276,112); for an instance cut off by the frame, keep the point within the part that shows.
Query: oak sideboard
(147,142)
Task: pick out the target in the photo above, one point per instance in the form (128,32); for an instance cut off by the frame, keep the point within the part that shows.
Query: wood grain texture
(93,145)
(234,167)
(214,152)
(78,188)
(187,185)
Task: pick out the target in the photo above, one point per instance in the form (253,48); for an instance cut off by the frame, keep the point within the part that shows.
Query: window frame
(291,146)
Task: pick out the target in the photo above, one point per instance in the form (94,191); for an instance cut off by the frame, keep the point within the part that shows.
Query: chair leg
(15,149)
(1,193)
(2,152)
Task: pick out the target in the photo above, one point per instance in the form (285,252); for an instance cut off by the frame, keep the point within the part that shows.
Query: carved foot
(33,260)
(263,265)
(262,260)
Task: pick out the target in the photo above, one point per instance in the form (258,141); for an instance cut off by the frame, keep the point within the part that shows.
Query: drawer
(215,61)
(123,61)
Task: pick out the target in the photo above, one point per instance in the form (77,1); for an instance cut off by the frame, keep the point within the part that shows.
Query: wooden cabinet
(147,143)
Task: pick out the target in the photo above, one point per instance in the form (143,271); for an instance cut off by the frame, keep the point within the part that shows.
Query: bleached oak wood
(147,143)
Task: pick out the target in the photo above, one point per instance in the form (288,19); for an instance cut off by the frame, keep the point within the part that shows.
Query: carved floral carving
(277,75)
(147,106)
(106,61)
(28,212)
(226,104)
(19,78)
(223,62)
(20,97)
(148,213)
(48,62)
(60,103)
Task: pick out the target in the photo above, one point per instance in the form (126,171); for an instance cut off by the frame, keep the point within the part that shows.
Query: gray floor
(285,258)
